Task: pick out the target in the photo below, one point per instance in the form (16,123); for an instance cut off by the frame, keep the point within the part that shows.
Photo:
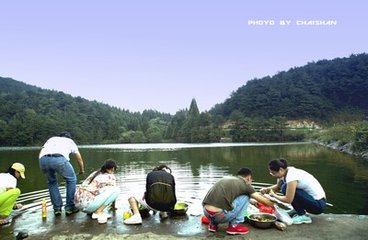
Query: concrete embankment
(81,226)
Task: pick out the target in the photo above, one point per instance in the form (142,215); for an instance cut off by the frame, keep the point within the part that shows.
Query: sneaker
(102,218)
(57,212)
(299,219)
(292,213)
(212,227)
(237,229)
(135,219)
(97,215)
(71,211)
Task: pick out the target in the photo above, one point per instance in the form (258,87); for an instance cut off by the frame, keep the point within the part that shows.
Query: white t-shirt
(7,181)
(59,145)
(306,182)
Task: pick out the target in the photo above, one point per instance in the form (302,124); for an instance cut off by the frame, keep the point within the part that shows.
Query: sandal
(4,221)
(21,235)
(17,206)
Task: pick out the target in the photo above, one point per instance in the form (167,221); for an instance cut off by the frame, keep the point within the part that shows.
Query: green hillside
(29,115)
(325,92)
(319,90)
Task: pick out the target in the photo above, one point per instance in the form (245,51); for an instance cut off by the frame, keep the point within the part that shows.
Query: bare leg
(134,205)
(100,209)
(136,218)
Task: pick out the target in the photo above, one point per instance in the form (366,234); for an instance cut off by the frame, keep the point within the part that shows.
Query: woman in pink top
(98,191)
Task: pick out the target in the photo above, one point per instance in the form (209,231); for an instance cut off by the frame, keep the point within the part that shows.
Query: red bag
(265,209)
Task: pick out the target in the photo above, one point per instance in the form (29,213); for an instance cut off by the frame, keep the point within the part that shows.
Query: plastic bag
(250,210)
(283,216)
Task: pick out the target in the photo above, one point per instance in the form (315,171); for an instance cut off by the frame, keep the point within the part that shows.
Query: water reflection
(190,188)
(197,167)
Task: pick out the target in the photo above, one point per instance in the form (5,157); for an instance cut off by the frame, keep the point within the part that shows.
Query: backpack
(160,190)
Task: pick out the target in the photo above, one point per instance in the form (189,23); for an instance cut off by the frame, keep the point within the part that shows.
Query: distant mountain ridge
(29,115)
(316,90)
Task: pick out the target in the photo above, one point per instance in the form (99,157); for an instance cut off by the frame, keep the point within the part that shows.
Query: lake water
(197,166)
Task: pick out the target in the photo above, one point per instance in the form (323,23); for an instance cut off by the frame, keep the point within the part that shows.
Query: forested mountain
(29,115)
(318,91)
(323,91)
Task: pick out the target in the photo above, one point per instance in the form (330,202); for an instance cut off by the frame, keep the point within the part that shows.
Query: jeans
(51,166)
(303,202)
(234,216)
(105,198)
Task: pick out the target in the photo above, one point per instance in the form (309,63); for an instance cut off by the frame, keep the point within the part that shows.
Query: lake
(197,166)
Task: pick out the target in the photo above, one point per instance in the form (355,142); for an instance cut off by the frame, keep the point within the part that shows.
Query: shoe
(96,215)
(4,221)
(21,235)
(292,213)
(102,218)
(237,229)
(135,219)
(212,227)
(71,211)
(299,219)
(57,212)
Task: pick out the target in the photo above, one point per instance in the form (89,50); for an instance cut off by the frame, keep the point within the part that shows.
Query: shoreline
(346,148)
(82,227)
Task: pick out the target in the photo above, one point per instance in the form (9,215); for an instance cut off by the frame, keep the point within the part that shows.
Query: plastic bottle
(44,208)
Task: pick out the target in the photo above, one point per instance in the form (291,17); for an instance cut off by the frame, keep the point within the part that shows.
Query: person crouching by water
(9,192)
(228,199)
(159,196)
(54,160)
(98,191)
(299,187)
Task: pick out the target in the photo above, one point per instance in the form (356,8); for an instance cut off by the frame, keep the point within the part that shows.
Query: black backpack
(160,190)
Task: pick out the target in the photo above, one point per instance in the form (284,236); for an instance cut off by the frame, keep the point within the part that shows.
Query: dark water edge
(346,148)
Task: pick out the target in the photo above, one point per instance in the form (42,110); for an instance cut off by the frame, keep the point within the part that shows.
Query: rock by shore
(346,148)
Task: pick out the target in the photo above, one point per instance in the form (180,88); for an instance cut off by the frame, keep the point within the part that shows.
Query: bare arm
(290,193)
(275,188)
(80,162)
(257,196)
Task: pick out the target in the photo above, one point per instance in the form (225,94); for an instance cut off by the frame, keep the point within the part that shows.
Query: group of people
(95,194)
(225,202)
(99,190)
(228,199)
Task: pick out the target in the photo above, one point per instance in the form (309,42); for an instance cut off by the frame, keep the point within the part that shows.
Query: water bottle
(44,208)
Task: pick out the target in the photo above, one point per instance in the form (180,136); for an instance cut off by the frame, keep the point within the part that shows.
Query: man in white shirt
(54,159)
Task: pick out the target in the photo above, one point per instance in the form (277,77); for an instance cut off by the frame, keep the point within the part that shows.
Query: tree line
(316,91)
(328,92)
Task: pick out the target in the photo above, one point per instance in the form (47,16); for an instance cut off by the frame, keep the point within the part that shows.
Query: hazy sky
(159,54)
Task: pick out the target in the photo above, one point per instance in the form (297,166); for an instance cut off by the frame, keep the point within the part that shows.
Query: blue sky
(160,54)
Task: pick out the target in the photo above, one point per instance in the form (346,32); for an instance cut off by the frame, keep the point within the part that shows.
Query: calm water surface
(197,166)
